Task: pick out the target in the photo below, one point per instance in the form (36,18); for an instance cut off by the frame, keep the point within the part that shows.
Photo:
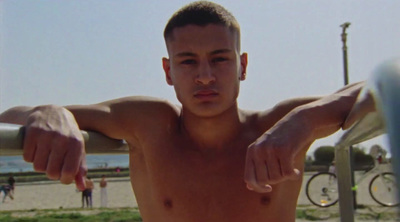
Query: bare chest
(173,182)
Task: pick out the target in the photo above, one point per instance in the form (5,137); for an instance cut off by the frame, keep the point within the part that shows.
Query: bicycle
(322,187)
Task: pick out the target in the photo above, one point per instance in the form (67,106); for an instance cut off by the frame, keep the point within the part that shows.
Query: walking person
(87,193)
(11,182)
(6,189)
(103,191)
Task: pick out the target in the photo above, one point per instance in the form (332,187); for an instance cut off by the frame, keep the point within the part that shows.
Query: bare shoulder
(123,117)
(141,103)
(260,121)
(141,108)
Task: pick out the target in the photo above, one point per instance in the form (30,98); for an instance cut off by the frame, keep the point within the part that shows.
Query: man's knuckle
(262,182)
(27,158)
(39,167)
(252,150)
(287,171)
(53,175)
(276,179)
(66,180)
(249,180)
(75,142)
(57,135)
(261,152)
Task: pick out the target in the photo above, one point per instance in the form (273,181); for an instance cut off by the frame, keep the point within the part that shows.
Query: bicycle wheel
(383,189)
(322,189)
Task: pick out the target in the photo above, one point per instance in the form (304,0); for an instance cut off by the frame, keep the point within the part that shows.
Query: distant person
(87,193)
(332,169)
(103,191)
(6,189)
(378,154)
(85,198)
(11,182)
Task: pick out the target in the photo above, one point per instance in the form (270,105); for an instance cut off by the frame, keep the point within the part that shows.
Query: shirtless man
(207,160)
(87,193)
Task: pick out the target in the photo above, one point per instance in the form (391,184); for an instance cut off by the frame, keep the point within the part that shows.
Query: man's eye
(188,62)
(219,59)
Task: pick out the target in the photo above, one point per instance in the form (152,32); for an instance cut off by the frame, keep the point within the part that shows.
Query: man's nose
(205,74)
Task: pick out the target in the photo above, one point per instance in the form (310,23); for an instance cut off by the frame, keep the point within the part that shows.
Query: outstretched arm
(270,159)
(53,141)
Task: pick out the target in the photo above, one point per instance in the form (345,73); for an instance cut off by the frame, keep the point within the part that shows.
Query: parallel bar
(11,141)
(369,127)
(385,87)
(343,173)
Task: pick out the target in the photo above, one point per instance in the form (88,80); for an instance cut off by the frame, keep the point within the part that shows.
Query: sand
(54,195)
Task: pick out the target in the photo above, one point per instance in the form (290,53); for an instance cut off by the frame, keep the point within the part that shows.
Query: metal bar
(344,48)
(345,26)
(385,88)
(343,173)
(363,130)
(11,142)
(367,128)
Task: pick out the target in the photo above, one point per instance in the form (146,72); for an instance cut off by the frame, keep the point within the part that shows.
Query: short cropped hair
(202,13)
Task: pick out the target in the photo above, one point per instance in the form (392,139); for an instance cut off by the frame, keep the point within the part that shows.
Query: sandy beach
(54,195)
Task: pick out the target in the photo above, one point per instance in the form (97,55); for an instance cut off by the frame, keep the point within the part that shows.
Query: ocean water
(17,164)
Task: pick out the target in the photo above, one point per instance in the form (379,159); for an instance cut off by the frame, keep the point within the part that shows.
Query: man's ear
(167,70)
(243,66)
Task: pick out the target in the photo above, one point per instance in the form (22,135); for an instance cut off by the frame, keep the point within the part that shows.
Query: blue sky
(81,52)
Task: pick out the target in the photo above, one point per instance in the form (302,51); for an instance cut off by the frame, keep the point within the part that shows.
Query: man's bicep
(284,107)
(96,117)
(16,115)
(124,117)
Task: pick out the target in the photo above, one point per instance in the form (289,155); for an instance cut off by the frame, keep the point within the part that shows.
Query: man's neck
(212,132)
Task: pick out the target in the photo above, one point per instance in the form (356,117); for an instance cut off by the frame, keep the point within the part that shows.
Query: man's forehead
(209,37)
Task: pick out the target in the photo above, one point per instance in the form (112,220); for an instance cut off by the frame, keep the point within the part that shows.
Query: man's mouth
(205,94)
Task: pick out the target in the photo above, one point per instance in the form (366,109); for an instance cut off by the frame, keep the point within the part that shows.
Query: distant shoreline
(22,177)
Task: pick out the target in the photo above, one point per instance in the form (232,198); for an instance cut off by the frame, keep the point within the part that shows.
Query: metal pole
(344,48)
(346,81)
(11,140)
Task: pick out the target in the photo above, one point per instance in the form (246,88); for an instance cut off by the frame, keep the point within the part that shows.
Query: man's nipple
(168,203)
(265,200)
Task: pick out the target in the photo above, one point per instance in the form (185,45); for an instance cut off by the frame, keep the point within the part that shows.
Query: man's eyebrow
(191,54)
(218,51)
(185,54)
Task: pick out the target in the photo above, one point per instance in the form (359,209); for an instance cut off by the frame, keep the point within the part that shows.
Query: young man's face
(205,68)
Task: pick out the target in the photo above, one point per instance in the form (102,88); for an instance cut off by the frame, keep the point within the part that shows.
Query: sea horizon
(13,164)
